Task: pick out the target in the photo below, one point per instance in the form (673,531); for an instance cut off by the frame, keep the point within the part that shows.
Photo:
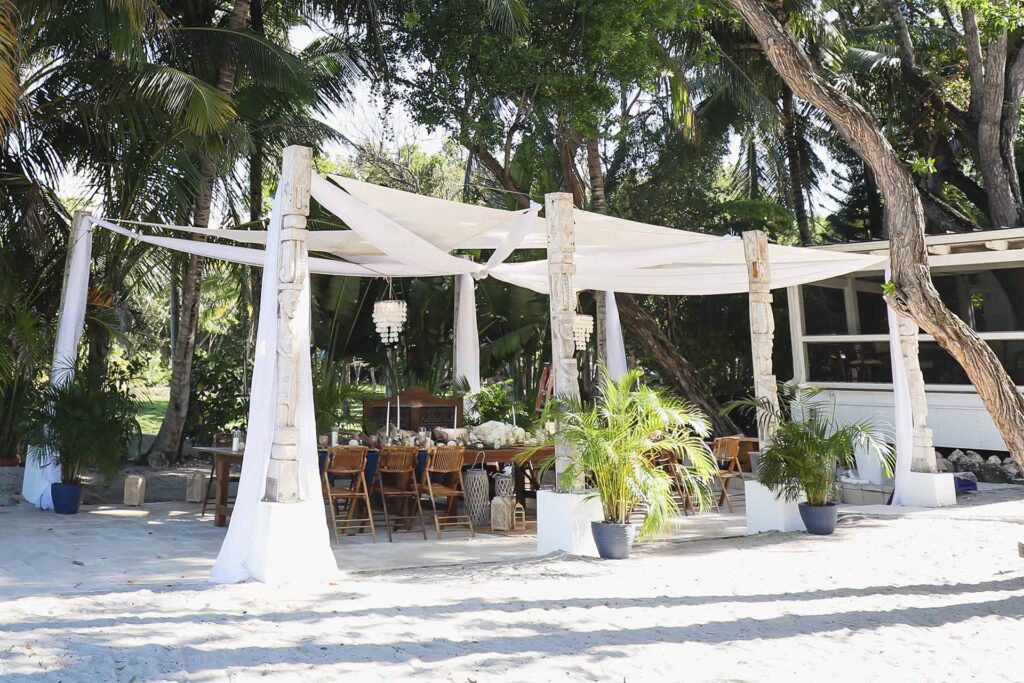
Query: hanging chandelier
(389,317)
(582,328)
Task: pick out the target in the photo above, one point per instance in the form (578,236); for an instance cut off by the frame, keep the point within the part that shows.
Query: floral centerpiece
(494,434)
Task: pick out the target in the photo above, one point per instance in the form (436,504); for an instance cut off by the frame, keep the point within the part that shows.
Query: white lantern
(389,317)
(582,328)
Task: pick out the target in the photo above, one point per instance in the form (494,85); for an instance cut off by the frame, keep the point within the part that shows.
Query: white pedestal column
(928,489)
(765,512)
(287,548)
(563,522)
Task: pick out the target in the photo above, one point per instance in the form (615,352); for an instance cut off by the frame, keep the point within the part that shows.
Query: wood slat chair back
(347,460)
(398,459)
(446,459)
(399,464)
(347,465)
(442,478)
(727,450)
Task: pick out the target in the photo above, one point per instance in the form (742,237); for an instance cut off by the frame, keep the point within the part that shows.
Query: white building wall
(958,419)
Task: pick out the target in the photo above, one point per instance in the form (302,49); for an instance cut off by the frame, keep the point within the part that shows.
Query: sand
(930,596)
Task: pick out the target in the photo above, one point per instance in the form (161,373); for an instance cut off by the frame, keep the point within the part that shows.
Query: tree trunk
(913,295)
(597,202)
(675,370)
(791,125)
(168,441)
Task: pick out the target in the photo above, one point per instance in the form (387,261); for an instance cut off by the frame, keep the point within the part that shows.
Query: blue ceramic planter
(67,498)
(614,541)
(819,519)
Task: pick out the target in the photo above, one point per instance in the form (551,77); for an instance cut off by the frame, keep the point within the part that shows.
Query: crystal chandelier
(582,328)
(389,317)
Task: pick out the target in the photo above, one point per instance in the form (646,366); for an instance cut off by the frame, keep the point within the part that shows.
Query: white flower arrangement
(496,434)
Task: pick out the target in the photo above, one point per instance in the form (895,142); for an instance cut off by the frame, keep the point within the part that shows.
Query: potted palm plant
(628,447)
(806,448)
(88,422)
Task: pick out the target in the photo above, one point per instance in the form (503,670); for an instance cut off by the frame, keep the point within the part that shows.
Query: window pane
(824,310)
(997,299)
(869,362)
(849,362)
(873,311)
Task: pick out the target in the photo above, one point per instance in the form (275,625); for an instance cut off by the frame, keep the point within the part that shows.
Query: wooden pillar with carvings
(558,211)
(283,471)
(762,325)
(923,459)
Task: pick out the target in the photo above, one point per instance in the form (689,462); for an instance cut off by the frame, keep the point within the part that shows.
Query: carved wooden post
(283,470)
(923,459)
(558,209)
(599,331)
(762,325)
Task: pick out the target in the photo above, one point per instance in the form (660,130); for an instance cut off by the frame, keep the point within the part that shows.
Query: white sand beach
(929,596)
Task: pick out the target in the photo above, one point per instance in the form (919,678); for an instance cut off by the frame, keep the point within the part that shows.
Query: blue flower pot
(613,541)
(67,498)
(820,520)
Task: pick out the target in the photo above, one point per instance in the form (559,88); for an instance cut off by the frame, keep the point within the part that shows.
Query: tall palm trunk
(168,441)
(791,124)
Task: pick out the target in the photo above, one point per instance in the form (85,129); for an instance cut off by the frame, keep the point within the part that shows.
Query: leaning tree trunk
(168,441)
(675,370)
(913,293)
(791,123)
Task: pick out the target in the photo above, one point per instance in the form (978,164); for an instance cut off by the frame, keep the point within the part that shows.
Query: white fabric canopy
(399,234)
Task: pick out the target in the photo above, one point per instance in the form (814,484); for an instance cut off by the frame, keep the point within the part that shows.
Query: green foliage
(620,443)
(217,403)
(495,401)
(87,422)
(333,394)
(808,444)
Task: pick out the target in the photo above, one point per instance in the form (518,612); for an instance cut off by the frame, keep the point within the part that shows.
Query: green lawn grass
(152,406)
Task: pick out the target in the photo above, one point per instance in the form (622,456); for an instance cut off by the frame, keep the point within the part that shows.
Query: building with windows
(840,333)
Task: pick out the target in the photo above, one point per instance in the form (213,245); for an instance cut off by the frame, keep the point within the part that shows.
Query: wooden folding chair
(727,450)
(442,478)
(220,440)
(347,465)
(399,463)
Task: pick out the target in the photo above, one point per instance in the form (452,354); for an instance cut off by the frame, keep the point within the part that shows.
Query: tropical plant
(622,444)
(808,444)
(333,394)
(218,402)
(495,402)
(87,422)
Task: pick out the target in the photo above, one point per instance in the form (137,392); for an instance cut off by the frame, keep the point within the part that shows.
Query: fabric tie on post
(615,347)
(901,397)
(42,470)
(234,560)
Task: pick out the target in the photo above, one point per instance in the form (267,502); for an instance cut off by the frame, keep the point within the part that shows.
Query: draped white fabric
(467,338)
(904,414)
(235,561)
(615,347)
(41,470)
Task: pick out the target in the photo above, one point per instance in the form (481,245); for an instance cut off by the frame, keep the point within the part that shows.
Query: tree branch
(500,173)
(975,63)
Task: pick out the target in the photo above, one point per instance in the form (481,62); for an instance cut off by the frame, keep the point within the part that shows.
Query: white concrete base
(765,512)
(288,548)
(563,522)
(927,490)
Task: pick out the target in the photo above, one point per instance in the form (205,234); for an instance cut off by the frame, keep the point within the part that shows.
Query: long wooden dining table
(225,457)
